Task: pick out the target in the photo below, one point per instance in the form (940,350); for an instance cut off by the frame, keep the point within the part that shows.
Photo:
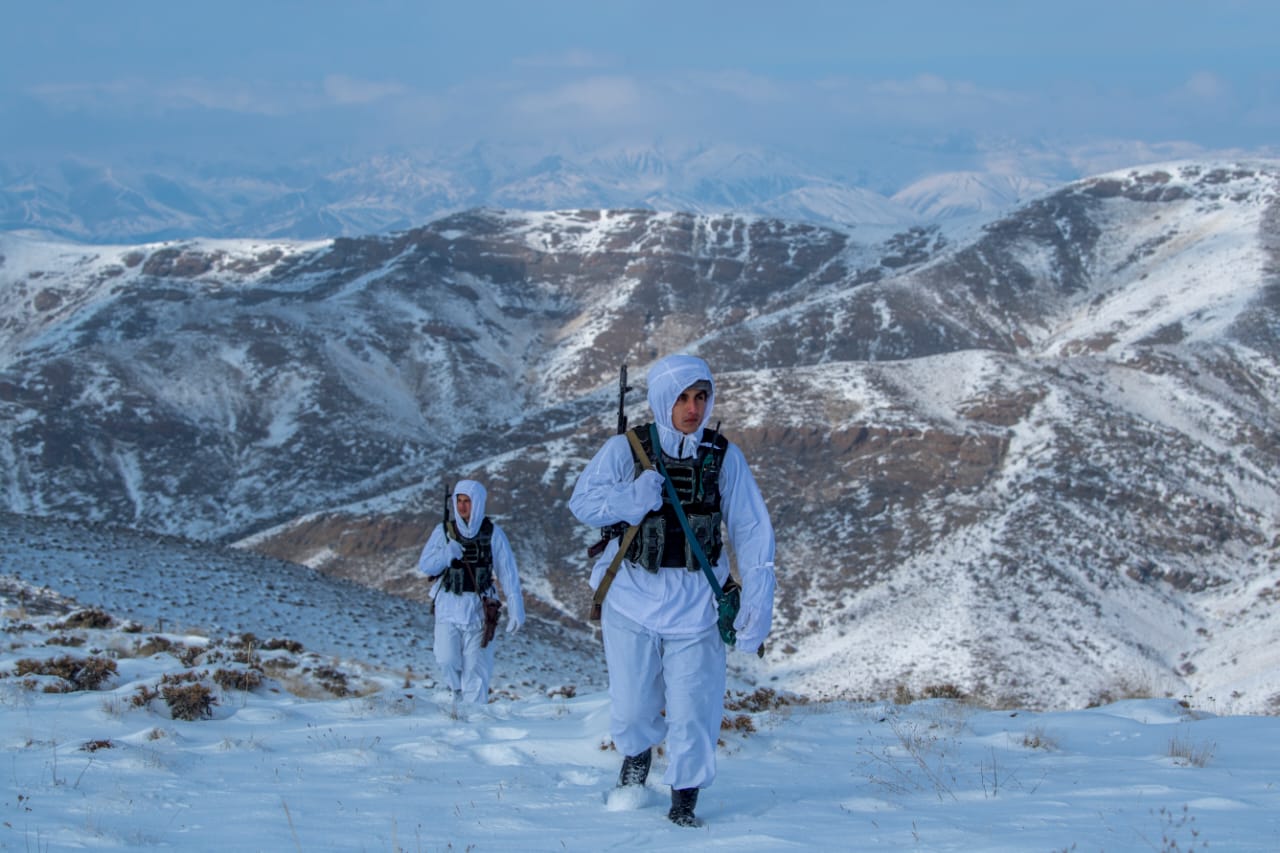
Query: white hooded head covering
(475,491)
(667,378)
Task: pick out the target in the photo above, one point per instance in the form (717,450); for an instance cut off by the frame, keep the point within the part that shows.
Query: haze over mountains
(1034,464)
(162,198)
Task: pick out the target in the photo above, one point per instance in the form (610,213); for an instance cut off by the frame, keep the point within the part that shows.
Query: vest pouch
(453,580)
(646,550)
(706,529)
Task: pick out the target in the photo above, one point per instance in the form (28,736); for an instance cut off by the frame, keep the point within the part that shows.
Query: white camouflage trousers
(464,666)
(685,675)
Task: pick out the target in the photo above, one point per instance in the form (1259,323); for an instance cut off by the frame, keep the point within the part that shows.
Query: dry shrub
(153,645)
(295,683)
(245,650)
(1125,688)
(90,617)
(762,699)
(279,667)
(95,745)
(740,723)
(1187,754)
(942,691)
(78,673)
(1036,738)
(903,695)
(237,679)
(333,680)
(193,701)
(182,677)
(143,695)
(189,655)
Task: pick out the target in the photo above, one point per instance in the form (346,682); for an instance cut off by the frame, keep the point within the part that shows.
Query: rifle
(613,530)
(447,526)
(623,388)
(445,521)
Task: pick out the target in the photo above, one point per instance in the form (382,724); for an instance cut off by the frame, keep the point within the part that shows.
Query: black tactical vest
(661,540)
(477,557)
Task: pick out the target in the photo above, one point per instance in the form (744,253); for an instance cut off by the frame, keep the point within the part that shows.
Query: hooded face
(690,409)
(681,394)
(472,495)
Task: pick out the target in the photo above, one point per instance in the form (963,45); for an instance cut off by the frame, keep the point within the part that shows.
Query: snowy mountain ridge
(169,200)
(1031,466)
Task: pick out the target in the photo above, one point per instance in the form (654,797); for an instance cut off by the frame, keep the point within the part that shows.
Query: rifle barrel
(623,388)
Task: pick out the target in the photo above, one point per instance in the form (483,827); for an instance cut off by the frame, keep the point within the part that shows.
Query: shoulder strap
(638,449)
(605,582)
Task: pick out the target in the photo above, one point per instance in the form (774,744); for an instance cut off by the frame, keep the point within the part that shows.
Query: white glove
(632,501)
(453,550)
(755,616)
(513,622)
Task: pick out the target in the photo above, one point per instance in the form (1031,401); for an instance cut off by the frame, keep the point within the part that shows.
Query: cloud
(1205,86)
(922,85)
(347,90)
(743,86)
(147,97)
(593,98)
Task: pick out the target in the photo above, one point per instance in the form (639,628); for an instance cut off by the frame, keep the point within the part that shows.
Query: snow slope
(342,754)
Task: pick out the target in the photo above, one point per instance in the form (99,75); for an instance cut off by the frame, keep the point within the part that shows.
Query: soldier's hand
(648,490)
(632,501)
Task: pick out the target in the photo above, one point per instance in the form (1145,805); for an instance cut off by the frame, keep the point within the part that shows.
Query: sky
(817,80)
(394,765)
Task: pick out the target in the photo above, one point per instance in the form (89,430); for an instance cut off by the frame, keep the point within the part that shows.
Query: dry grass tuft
(762,699)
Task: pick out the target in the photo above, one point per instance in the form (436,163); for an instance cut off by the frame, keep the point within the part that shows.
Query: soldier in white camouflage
(663,647)
(464,555)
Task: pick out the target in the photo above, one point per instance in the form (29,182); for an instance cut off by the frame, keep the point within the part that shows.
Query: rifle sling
(605,582)
(694,545)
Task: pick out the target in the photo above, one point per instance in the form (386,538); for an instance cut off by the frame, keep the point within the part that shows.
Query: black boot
(683,801)
(635,768)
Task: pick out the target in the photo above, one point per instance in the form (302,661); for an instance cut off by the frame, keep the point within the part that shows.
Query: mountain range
(168,199)
(1029,461)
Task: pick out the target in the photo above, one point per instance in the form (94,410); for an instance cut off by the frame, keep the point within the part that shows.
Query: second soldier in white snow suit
(665,656)
(464,556)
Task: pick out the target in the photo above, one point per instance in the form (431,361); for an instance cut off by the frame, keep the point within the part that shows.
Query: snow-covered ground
(334,752)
